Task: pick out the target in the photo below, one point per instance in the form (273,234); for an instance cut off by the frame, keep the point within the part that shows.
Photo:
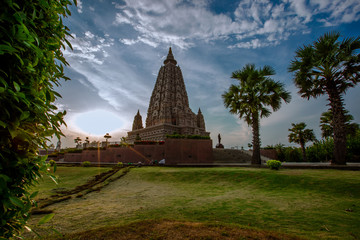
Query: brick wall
(180,151)
(174,151)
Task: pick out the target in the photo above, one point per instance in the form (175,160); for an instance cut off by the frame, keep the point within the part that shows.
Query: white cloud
(339,11)
(90,48)
(255,23)
(128,41)
(120,18)
(79,6)
(301,10)
(88,34)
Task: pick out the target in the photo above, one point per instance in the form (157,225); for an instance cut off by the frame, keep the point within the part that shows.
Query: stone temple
(169,110)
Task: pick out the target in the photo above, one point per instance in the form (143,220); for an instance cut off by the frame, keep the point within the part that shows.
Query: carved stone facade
(137,124)
(169,110)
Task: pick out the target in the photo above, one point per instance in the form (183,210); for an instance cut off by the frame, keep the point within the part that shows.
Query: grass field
(311,204)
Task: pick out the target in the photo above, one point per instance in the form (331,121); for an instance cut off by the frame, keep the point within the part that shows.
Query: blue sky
(119,47)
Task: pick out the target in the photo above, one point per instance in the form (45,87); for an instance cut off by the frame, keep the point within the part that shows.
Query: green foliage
(273,164)
(52,163)
(300,135)
(179,136)
(326,124)
(31,37)
(197,137)
(321,151)
(288,154)
(329,67)
(353,147)
(254,98)
(88,148)
(74,151)
(145,142)
(120,164)
(54,154)
(269,147)
(86,164)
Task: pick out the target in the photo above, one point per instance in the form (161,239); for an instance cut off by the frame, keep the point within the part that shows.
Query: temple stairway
(231,156)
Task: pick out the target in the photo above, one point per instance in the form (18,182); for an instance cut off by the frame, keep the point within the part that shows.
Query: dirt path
(95,184)
(176,230)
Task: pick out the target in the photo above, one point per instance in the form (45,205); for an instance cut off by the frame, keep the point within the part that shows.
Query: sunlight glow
(98,122)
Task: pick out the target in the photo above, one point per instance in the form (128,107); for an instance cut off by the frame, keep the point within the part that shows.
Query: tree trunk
(303,151)
(256,159)
(336,104)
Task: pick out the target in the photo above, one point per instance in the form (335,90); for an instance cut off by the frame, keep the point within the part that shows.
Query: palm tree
(77,141)
(301,136)
(329,67)
(252,97)
(326,125)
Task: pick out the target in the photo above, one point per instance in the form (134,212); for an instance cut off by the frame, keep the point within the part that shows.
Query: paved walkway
(293,165)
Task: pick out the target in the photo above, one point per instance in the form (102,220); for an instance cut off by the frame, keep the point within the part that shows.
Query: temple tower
(137,124)
(169,110)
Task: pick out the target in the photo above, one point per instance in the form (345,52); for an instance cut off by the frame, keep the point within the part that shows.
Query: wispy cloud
(253,24)
(90,48)
(79,6)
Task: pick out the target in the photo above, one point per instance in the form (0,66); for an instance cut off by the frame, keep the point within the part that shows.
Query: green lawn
(68,178)
(313,204)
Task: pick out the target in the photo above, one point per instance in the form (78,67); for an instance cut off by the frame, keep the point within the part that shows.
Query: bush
(273,164)
(120,164)
(32,36)
(52,162)
(321,151)
(353,146)
(145,142)
(55,154)
(115,145)
(86,164)
(75,151)
(179,136)
(288,154)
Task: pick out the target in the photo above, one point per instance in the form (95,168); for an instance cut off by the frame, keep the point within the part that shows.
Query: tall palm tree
(326,124)
(301,136)
(252,97)
(329,67)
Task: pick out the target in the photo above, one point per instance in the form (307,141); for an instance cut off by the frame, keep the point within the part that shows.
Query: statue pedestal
(219,145)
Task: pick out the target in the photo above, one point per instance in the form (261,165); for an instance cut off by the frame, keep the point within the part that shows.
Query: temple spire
(137,124)
(170,58)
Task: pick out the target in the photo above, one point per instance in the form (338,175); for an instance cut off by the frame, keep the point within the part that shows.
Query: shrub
(273,164)
(115,145)
(55,154)
(32,65)
(353,146)
(145,142)
(175,135)
(179,136)
(321,151)
(269,147)
(86,164)
(120,164)
(75,151)
(52,162)
(288,154)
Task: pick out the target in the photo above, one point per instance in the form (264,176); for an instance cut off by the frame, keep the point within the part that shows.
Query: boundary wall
(174,151)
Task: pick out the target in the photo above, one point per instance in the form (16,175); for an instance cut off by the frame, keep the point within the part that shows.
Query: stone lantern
(107,136)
